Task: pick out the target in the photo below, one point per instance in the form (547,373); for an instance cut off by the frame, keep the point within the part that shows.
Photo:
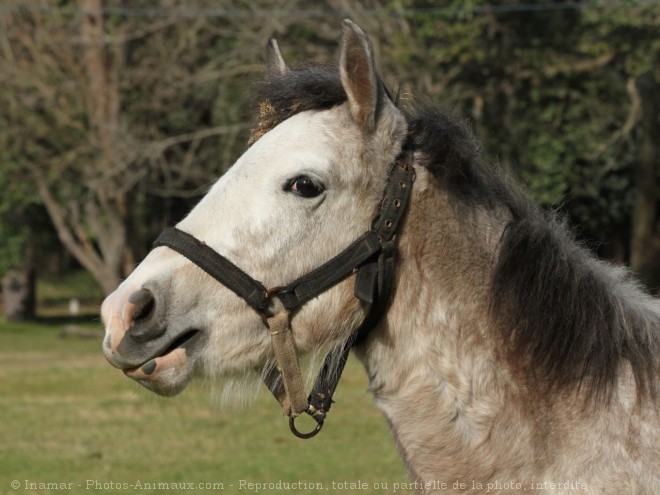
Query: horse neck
(442,273)
(432,366)
(459,410)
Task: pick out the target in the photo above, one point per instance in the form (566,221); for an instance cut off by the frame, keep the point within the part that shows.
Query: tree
(16,256)
(110,115)
(120,114)
(62,107)
(645,245)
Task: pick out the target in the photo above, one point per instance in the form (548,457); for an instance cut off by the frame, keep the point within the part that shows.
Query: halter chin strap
(371,257)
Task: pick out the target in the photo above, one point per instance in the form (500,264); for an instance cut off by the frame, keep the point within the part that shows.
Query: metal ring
(304,436)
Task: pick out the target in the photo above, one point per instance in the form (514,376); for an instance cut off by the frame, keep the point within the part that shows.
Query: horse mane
(565,317)
(572,318)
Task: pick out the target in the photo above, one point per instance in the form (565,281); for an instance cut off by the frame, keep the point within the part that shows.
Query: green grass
(66,416)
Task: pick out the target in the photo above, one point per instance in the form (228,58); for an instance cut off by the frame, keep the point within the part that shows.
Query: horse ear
(274,62)
(358,75)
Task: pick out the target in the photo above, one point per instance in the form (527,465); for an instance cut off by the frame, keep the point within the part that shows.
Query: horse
(503,354)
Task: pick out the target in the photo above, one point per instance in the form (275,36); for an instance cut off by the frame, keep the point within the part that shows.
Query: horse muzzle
(140,343)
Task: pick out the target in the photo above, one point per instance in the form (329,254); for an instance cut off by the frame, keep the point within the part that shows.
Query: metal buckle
(273,291)
(403,164)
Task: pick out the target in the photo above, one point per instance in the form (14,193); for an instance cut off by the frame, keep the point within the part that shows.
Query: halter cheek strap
(371,256)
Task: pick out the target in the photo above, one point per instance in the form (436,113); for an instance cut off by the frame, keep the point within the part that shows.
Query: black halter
(371,256)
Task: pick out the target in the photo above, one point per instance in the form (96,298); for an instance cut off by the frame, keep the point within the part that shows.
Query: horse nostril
(144,303)
(144,324)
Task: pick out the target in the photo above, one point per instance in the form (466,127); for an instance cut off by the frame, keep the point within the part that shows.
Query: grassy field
(68,418)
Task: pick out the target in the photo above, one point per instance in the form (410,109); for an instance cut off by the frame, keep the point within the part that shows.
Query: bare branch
(573,67)
(633,118)
(156,148)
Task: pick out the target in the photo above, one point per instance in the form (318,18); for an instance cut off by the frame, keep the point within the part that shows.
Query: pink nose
(134,320)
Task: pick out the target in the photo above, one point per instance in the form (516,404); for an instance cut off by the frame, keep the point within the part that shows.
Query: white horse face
(300,195)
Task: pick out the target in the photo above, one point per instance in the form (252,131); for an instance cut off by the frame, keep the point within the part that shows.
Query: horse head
(306,188)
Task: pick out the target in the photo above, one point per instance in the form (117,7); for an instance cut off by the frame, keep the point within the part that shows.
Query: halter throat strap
(371,257)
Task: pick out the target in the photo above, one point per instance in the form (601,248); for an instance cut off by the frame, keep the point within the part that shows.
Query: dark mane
(573,318)
(562,315)
(451,152)
(567,318)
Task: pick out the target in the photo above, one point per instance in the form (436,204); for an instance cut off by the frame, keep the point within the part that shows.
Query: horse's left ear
(274,62)
(358,75)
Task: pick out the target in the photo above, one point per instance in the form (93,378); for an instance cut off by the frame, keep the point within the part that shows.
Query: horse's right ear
(274,62)
(358,75)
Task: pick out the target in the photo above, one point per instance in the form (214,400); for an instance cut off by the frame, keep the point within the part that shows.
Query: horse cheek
(333,319)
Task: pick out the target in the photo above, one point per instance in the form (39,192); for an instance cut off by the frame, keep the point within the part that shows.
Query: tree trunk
(105,263)
(645,244)
(18,294)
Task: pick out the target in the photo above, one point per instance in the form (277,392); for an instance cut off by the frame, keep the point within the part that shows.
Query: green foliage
(17,207)
(547,93)
(14,241)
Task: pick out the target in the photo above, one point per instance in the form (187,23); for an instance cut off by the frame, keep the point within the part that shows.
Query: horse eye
(305,187)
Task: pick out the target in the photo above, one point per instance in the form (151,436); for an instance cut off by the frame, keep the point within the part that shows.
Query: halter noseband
(371,257)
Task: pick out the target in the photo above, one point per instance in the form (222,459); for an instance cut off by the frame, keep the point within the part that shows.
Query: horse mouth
(169,371)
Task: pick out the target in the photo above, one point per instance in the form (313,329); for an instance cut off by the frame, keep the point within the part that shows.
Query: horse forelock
(308,86)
